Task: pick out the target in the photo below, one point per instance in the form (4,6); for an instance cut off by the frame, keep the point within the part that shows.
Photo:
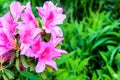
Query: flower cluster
(20,31)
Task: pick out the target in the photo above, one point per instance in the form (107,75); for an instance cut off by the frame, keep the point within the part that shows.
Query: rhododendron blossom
(8,23)
(6,42)
(16,10)
(20,35)
(28,33)
(27,15)
(51,16)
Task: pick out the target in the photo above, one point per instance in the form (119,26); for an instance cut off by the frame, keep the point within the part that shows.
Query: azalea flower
(19,31)
(34,48)
(46,55)
(45,52)
(27,15)
(10,20)
(51,16)
(6,42)
(54,40)
(8,23)
(27,32)
(16,9)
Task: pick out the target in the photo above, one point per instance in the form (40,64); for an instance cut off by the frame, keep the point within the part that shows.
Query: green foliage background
(92,39)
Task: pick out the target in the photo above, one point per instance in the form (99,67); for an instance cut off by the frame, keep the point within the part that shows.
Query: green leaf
(112,55)
(0,74)
(91,37)
(12,59)
(4,77)
(17,64)
(29,75)
(84,63)
(103,54)
(107,77)
(113,73)
(17,54)
(74,64)
(64,58)
(24,61)
(113,34)
(99,72)
(44,75)
(32,66)
(9,73)
(111,47)
(99,42)
(94,76)
(73,42)
(117,59)
(62,74)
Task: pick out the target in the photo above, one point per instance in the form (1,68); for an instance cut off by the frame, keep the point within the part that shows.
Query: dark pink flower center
(36,47)
(50,19)
(46,53)
(29,17)
(26,36)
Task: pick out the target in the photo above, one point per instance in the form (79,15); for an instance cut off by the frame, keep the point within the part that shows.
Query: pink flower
(46,55)
(10,20)
(51,16)
(27,15)
(34,48)
(8,23)
(45,52)
(16,10)
(6,56)
(6,41)
(54,40)
(27,32)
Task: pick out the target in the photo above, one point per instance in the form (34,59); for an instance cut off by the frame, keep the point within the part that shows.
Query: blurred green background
(92,39)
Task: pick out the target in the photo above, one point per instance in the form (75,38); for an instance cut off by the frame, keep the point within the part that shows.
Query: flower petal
(52,64)
(59,19)
(61,51)
(58,31)
(24,48)
(28,14)
(7,20)
(40,66)
(16,10)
